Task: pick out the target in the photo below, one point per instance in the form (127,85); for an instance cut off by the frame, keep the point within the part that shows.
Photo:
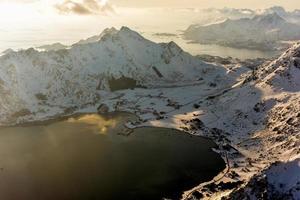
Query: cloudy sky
(26,23)
(203,3)
(289,4)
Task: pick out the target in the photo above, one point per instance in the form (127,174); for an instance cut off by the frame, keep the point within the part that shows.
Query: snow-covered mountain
(254,118)
(7,51)
(214,15)
(291,16)
(259,32)
(71,78)
(262,116)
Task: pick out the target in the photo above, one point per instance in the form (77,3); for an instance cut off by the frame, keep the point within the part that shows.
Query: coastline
(130,119)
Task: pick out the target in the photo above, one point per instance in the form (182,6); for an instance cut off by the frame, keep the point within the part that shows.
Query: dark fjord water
(89,157)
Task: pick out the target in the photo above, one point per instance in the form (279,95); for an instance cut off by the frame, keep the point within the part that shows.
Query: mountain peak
(272,18)
(174,46)
(111,30)
(127,30)
(276,9)
(7,51)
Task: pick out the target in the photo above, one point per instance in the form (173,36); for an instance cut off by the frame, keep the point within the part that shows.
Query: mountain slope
(279,181)
(283,73)
(71,77)
(259,32)
(262,117)
(266,105)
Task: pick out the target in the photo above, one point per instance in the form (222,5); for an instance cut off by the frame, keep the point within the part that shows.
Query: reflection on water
(70,160)
(97,122)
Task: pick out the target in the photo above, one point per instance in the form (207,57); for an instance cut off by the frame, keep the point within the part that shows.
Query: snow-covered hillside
(71,78)
(255,123)
(260,32)
(260,119)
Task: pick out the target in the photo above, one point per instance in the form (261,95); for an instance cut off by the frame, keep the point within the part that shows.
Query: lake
(215,50)
(93,157)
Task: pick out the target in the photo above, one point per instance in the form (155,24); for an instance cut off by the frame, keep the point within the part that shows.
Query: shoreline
(185,194)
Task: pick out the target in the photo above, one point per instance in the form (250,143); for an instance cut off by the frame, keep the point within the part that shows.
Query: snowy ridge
(284,72)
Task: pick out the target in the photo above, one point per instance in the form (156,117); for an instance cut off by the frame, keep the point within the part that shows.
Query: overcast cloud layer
(84,7)
(253,4)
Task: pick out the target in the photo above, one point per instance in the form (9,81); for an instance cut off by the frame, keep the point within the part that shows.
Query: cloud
(84,7)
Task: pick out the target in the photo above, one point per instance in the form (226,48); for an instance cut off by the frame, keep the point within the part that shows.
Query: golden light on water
(98,123)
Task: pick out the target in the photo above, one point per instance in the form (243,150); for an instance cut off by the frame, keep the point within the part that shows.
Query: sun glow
(101,124)
(103,2)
